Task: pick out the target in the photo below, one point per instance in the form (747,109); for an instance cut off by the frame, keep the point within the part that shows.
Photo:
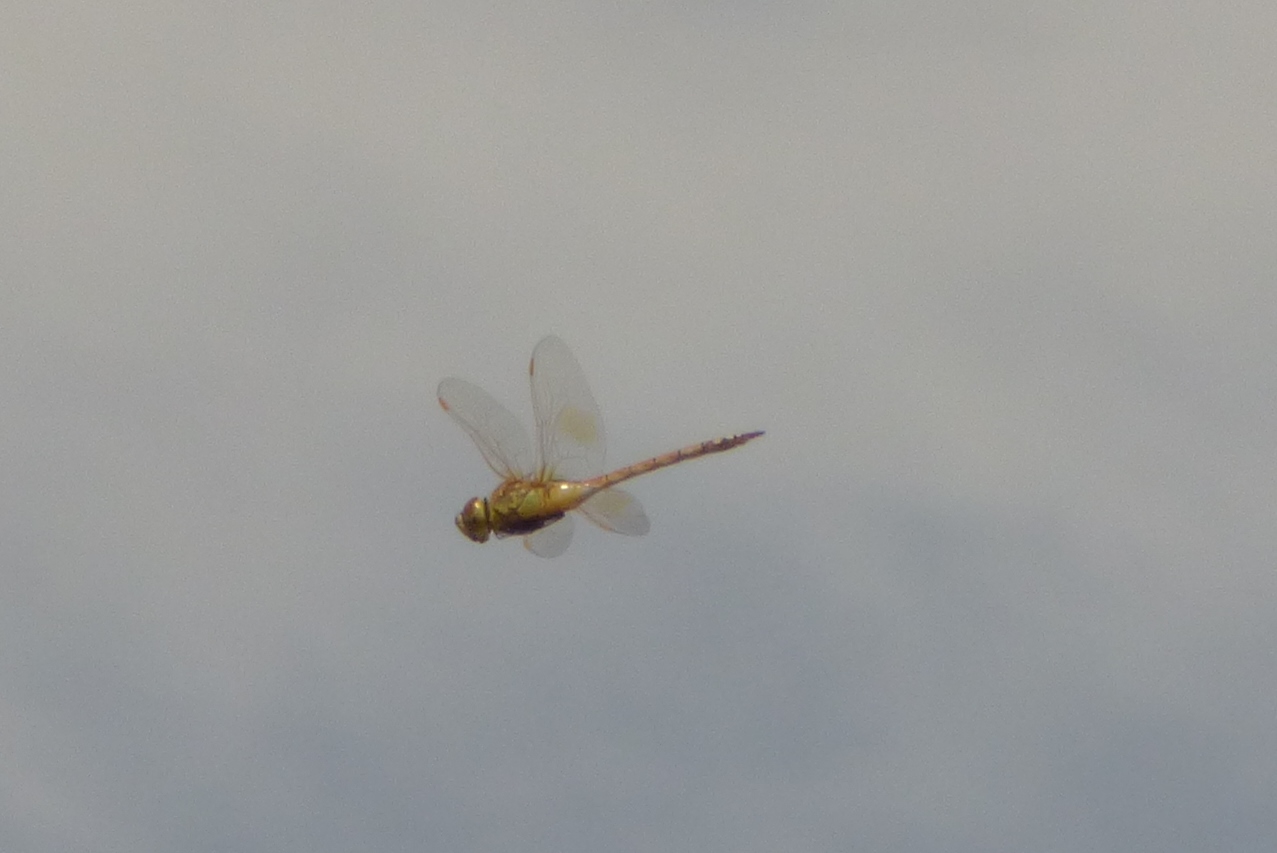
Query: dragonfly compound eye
(473,520)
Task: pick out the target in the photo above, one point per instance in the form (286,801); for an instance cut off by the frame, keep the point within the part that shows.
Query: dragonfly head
(473,522)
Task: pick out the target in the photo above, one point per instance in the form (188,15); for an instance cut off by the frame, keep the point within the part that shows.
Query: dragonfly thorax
(473,520)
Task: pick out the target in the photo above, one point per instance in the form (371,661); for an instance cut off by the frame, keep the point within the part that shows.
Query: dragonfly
(564,474)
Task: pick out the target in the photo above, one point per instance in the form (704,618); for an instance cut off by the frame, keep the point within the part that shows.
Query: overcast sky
(999,279)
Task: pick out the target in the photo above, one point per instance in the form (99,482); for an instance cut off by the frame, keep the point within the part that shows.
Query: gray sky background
(997,279)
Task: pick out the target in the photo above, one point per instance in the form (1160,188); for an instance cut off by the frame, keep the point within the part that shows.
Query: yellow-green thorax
(519,507)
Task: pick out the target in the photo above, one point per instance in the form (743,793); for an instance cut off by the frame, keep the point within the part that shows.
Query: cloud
(994,280)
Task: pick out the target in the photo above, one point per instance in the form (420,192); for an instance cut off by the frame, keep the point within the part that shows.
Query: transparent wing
(569,428)
(551,540)
(616,510)
(498,434)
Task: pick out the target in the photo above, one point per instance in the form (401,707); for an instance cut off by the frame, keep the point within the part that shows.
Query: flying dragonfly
(565,473)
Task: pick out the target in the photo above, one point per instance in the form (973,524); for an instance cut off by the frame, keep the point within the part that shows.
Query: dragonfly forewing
(551,540)
(491,426)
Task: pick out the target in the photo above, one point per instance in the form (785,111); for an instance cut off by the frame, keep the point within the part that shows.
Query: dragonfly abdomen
(715,445)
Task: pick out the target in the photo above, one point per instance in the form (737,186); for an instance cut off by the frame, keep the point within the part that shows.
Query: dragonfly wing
(569,428)
(495,431)
(616,510)
(551,540)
